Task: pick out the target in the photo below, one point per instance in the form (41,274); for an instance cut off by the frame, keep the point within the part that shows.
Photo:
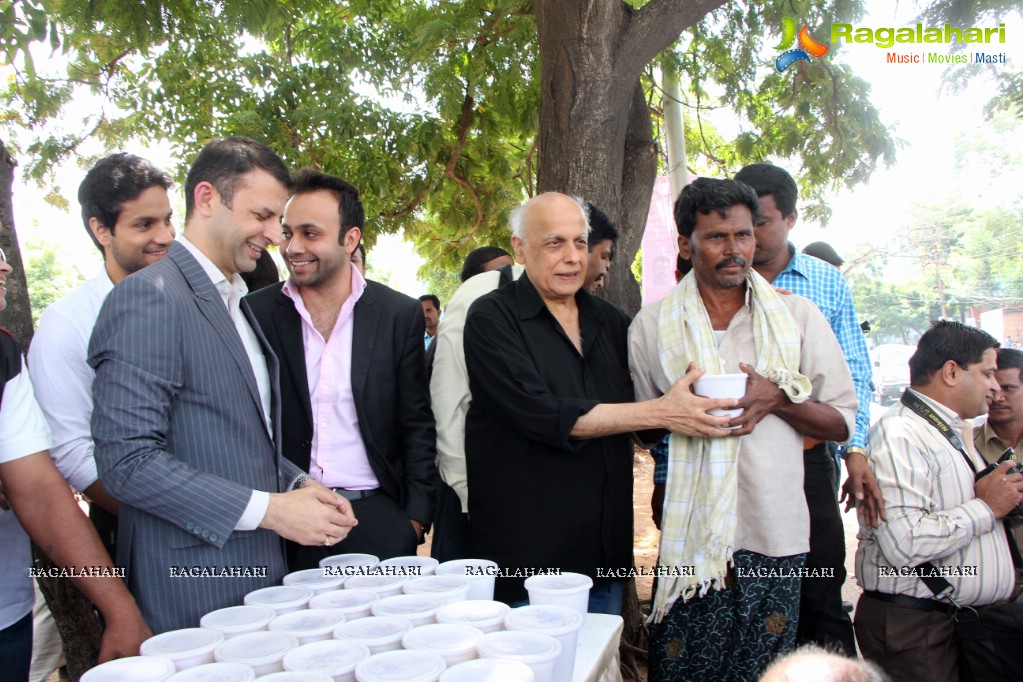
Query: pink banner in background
(659,244)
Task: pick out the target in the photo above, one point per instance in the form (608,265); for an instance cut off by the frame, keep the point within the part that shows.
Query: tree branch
(651,29)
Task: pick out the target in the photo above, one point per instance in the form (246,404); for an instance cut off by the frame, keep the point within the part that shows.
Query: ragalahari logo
(808,46)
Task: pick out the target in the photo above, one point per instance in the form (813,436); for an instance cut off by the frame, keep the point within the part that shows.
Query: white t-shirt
(23,432)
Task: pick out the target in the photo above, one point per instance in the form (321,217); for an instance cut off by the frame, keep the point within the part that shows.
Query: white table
(596,659)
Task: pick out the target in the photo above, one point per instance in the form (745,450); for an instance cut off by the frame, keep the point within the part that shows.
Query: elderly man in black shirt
(548,454)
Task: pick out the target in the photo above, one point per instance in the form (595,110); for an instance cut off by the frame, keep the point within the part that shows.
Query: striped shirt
(823,284)
(933,513)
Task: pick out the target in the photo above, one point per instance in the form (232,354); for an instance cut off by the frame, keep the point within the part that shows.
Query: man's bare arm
(46,509)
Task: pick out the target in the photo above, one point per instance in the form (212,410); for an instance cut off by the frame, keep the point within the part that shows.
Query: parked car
(890,363)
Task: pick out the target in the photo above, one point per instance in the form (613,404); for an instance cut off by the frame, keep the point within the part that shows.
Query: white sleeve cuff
(254,512)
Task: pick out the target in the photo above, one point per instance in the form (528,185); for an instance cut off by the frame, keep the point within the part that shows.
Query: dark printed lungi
(731,634)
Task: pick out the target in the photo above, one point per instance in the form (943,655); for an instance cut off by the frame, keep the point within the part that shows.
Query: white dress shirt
(62,378)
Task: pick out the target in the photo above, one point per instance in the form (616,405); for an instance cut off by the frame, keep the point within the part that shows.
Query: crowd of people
(221,420)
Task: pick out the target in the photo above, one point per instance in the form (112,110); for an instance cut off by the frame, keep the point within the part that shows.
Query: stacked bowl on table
(355,619)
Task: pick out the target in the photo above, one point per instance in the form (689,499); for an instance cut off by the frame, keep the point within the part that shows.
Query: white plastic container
(347,565)
(352,603)
(383,585)
(281,598)
(448,588)
(379,633)
(560,622)
(539,652)
(418,609)
(568,589)
(308,625)
(262,651)
(187,648)
(135,668)
(481,574)
(485,616)
(401,666)
(334,657)
(409,566)
(722,386)
(316,579)
(454,643)
(488,670)
(290,676)
(238,620)
(215,672)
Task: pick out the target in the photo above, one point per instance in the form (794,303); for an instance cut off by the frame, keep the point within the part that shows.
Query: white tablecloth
(596,659)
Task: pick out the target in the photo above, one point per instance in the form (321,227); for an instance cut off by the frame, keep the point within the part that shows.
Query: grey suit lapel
(212,307)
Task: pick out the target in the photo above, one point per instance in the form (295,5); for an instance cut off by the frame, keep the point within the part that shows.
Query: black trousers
(822,620)
(450,539)
(384,530)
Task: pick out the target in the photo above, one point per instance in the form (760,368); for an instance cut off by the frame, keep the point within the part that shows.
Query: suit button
(213,537)
(189,526)
(307,443)
(205,535)
(197,531)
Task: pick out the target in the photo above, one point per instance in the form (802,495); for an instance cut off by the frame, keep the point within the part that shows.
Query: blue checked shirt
(823,284)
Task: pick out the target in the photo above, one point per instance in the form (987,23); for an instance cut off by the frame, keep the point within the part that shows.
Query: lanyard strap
(914,403)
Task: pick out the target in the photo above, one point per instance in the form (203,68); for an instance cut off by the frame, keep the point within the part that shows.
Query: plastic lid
(407,605)
(566,582)
(331,656)
(134,668)
(403,666)
(315,579)
(468,568)
(549,619)
(280,597)
(308,622)
(344,601)
(488,670)
(215,672)
(373,631)
(473,611)
(235,618)
(378,582)
(349,560)
(443,638)
(437,584)
(256,648)
(528,647)
(176,644)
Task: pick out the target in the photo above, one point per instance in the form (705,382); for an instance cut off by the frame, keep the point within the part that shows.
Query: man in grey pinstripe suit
(186,417)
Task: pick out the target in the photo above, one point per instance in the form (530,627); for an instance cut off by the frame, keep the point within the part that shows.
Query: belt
(913,602)
(353,495)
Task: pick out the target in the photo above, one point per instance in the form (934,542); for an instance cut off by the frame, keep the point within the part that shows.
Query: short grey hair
(516,219)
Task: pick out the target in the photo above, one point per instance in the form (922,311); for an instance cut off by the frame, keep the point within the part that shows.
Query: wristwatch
(300,481)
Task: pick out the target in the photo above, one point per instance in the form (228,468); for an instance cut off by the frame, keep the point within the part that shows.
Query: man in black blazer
(356,409)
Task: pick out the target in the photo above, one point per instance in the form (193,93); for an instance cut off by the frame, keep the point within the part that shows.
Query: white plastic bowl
(485,616)
(334,657)
(238,620)
(308,625)
(379,633)
(281,598)
(400,666)
(346,565)
(352,603)
(262,651)
(187,648)
(560,622)
(135,668)
(568,589)
(383,585)
(418,609)
(290,676)
(488,670)
(481,574)
(409,566)
(539,652)
(454,643)
(448,588)
(316,579)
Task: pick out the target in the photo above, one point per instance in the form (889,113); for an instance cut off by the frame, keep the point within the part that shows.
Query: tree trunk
(17,317)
